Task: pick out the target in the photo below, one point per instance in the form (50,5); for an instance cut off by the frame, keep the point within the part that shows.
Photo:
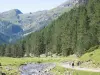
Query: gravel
(36,69)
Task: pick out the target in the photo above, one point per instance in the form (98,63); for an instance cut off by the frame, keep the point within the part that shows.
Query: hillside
(74,32)
(3,38)
(93,56)
(34,21)
(10,30)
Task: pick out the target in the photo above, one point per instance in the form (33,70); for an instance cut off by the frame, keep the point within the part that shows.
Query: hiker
(78,63)
(72,64)
(3,74)
(0,64)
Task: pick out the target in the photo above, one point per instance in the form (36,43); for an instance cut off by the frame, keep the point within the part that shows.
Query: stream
(37,69)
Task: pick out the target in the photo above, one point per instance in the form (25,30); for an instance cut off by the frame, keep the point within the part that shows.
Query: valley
(62,41)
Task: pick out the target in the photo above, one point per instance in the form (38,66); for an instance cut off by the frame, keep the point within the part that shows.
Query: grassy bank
(93,56)
(63,71)
(10,66)
(91,59)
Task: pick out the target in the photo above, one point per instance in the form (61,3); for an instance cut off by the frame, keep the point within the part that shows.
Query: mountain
(11,16)
(10,30)
(4,38)
(74,32)
(31,22)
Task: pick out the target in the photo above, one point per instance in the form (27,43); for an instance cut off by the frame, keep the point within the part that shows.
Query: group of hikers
(73,63)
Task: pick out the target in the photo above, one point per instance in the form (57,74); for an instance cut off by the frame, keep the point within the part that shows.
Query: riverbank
(11,65)
(37,69)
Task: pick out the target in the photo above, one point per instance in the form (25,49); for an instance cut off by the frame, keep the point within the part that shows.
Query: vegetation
(11,66)
(13,22)
(59,70)
(62,71)
(85,73)
(93,56)
(74,32)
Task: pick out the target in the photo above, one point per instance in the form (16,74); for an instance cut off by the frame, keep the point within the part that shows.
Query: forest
(74,32)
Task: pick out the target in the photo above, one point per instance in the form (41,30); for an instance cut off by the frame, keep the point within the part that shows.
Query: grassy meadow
(14,63)
(63,71)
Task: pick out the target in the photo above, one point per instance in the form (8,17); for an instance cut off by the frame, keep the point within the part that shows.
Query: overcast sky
(27,6)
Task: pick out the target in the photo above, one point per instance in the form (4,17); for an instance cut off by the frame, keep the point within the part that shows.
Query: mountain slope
(13,31)
(32,22)
(11,16)
(75,32)
(4,39)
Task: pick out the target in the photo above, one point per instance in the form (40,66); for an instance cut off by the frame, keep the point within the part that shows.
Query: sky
(27,6)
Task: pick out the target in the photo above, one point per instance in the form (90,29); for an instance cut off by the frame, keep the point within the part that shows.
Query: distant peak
(70,3)
(13,11)
(17,11)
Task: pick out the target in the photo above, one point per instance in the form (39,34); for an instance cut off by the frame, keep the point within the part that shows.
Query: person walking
(78,63)
(73,64)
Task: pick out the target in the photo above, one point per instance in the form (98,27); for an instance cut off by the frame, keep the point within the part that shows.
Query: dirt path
(79,68)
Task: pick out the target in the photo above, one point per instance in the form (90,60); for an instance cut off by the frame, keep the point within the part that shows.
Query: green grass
(85,73)
(18,61)
(94,56)
(61,71)
(14,63)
